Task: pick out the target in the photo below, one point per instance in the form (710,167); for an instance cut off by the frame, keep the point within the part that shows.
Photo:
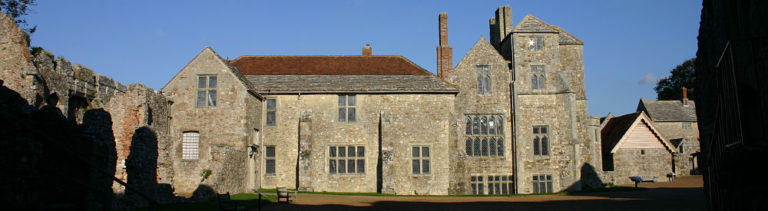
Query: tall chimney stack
(501,25)
(685,96)
(367,51)
(444,51)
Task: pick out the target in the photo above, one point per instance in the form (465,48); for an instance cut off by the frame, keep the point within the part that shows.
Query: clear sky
(628,44)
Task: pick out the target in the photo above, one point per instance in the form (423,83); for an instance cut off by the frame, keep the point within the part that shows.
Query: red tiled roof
(327,65)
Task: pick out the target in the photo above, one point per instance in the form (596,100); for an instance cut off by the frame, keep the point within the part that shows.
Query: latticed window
(483,79)
(537,77)
(190,147)
(477,185)
(346,159)
(421,164)
(501,185)
(347,111)
(271,112)
(542,183)
(206,90)
(486,135)
(540,140)
(269,160)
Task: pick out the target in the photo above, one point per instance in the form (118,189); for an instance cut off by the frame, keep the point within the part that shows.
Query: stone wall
(652,164)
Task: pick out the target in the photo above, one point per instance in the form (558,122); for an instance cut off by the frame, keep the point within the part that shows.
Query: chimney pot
(367,51)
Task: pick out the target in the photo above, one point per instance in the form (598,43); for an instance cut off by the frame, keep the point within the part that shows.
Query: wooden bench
(226,203)
(639,179)
(284,193)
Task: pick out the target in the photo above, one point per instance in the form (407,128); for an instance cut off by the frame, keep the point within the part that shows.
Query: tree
(16,9)
(671,87)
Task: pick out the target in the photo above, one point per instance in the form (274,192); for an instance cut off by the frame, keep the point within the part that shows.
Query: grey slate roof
(266,84)
(566,38)
(533,24)
(668,110)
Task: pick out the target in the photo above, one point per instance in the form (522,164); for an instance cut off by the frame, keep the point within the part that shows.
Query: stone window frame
(336,157)
(207,89)
(501,184)
(479,140)
(538,76)
(270,156)
(483,79)
(477,184)
(542,143)
(542,181)
(536,43)
(345,108)
(687,125)
(190,145)
(272,111)
(419,160)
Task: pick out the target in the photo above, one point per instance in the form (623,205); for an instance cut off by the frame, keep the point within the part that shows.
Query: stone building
(632,146)
(676,119)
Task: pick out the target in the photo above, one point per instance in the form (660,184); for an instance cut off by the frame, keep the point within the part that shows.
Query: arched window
(487,85)
(541,82)
(544,146)
(492,126)
(480,87)
(500,147)
(536,146)
(485,147)
(483,125)
(477,147)
(469,126)
(534,82)
(500,127)
(492,147)
(475,126)
(469,147)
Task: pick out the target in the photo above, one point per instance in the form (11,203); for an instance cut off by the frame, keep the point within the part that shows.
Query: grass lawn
(608,188)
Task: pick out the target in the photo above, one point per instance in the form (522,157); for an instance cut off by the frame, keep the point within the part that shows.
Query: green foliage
(205,174)
(17,9)
(670,87)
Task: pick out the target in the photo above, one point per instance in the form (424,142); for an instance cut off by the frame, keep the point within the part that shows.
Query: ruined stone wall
(469,103)
(654,164)
(16,69)
(686,163)
(224,129)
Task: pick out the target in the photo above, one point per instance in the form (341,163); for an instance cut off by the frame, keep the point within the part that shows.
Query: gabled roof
(479,45)
(566,38)
(668,110)
(615,131)
(328,65)
(230,68)
(531,24)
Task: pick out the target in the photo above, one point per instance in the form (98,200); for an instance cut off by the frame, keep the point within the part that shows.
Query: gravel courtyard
(685,193)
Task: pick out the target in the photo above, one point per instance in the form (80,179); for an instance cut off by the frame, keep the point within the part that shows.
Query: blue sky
(628,44)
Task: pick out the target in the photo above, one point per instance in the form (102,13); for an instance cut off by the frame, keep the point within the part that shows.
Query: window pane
(541,81)
(271,104)
(360,151)
(544,130)
(480,84)
(270,118)
(485,147)
(543,187)
(211,97)
(504,189)
(500,122)
(351,151)
(342,152)
(270,166)
(415,151)
(490,189)
(480,189)
(539,43)
(535,130)
(190,146)
(212,82)
(415,164)
(332,166)
(544,146)
(342,114)
(534,82)
(475,126)
(492,126)
(536,147)
(477,147)
(201,81)
(468,147)
(474,178)
(332,152)
(351,100)
(474,189)
(351,166)
(270,151)
(425,166)
(425,152)
(351,114)
(342,100)
(492,147)
(360,166)
(487,85)
(535,187)
(500,147)
(342,166)
(201,99)
(483,125)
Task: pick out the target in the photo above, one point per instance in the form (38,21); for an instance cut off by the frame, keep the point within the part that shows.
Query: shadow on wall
(589,179)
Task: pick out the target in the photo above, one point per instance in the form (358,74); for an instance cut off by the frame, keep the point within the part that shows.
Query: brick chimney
(444,51)
(501,25)
(685,96)
(367,51)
